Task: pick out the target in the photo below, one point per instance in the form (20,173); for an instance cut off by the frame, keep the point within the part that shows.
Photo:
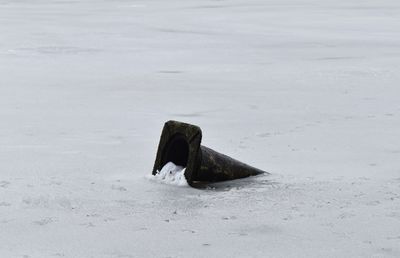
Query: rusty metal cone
(180,143)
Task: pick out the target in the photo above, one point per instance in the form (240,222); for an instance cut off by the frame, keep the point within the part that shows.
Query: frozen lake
(307,90)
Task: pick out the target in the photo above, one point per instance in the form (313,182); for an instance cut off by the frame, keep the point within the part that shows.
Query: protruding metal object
(180,143)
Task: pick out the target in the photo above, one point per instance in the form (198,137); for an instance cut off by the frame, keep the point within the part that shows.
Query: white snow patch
(171,174)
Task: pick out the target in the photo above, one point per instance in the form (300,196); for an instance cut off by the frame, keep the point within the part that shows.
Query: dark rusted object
(181,144)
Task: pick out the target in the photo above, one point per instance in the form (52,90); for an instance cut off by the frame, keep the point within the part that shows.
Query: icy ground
(307,90)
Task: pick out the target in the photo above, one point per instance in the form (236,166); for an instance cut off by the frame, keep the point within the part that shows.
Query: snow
(171,174)
(307,90)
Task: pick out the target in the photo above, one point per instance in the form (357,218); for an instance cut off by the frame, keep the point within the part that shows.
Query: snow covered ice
(307,90)
(171,174)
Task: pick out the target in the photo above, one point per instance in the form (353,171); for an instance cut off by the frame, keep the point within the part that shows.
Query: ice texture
(172,174)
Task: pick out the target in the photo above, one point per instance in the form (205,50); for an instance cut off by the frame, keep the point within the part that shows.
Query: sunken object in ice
(180,143)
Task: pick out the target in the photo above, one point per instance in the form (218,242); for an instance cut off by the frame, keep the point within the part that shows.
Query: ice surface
(171,174)
(307,90)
